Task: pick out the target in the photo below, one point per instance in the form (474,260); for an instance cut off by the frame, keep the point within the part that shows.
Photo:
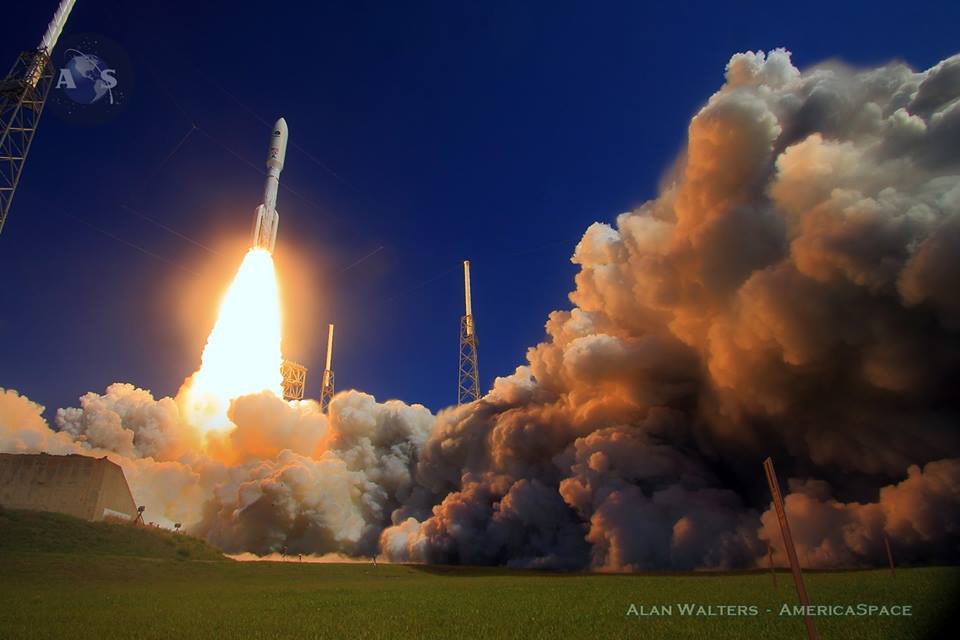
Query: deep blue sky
(439,131)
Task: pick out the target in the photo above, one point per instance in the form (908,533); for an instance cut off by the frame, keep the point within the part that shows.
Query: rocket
(266,219)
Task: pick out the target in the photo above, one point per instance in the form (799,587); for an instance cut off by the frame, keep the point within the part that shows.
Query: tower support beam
(468,378)
(294,380)
(23,94)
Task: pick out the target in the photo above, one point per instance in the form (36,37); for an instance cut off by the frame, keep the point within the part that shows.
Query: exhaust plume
(242,354)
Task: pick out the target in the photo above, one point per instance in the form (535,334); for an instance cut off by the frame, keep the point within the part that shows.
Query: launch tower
(23,94)
(468,387)
(326,391)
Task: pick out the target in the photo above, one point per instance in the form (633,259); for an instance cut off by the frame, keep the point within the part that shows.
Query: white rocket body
(267,219)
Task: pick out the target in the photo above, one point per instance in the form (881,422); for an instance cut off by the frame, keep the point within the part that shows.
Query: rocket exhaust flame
(242,355)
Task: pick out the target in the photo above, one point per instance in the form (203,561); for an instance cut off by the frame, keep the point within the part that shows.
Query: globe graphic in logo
(92,78)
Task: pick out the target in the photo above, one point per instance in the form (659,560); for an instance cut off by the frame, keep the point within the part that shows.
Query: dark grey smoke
(791,292)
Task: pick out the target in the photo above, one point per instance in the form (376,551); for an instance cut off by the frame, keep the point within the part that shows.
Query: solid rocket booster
(267,219)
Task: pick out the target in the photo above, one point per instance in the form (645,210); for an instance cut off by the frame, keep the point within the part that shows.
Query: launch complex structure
(23,95)
(468,379)
(295,378)
(326,388)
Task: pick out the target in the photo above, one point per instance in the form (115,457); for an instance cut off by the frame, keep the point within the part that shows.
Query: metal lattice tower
(23,94)
(21,104)
(294,380)
(327,390)
(468,383)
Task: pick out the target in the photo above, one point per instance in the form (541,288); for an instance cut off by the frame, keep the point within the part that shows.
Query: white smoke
(284,477)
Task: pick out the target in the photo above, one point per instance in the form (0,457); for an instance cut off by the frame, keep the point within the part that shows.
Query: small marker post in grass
(773,571)
(788,545)
(886,543)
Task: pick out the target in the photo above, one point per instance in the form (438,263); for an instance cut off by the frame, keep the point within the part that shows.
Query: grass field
(39,532)
(96,595)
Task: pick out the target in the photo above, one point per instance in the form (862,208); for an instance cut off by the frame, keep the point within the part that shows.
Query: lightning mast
(326,391)
(23,94)
(468,384)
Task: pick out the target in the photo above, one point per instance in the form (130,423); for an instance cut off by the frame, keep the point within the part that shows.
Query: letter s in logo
(107,75)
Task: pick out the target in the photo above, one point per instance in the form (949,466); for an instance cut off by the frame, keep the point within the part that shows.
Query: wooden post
(788,545)
(886,543)
(773,571)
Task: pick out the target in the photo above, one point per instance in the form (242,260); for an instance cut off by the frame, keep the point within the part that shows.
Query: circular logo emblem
(92,79)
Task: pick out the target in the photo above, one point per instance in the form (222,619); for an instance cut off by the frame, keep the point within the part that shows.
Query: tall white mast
(466,297)
(55,28)
(326,388)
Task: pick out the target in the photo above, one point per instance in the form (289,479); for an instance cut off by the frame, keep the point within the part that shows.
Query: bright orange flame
(242,355)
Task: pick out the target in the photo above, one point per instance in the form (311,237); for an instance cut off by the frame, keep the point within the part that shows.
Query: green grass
(40,532)
(94,595)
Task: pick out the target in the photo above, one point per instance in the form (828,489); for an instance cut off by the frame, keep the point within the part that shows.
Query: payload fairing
(267,219)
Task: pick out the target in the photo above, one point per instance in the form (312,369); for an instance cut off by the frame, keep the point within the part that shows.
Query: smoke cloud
(286,477)
(790,292)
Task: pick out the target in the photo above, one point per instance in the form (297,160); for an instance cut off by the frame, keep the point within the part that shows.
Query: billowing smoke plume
(285,477)
(791,292)
(334,494)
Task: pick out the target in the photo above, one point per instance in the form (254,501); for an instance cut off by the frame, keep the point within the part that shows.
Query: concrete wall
(77,485)
(115,493)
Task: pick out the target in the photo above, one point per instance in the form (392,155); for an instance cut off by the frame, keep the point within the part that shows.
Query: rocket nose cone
(278,145)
